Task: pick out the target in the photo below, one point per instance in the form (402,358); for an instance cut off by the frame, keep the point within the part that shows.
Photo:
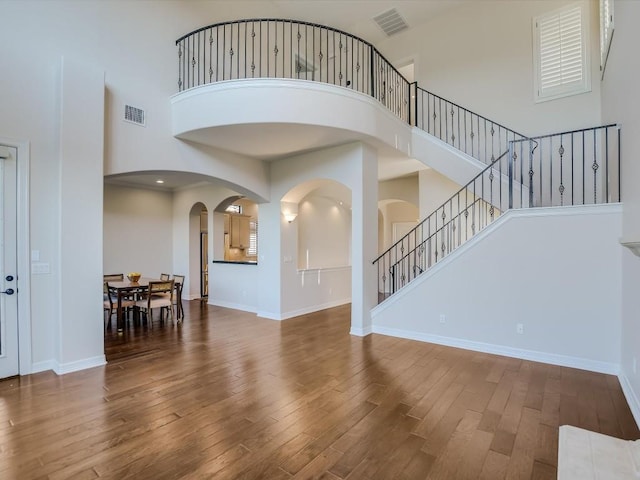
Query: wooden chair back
(113,277)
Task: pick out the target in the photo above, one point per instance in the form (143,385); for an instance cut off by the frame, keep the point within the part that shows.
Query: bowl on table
(134,276)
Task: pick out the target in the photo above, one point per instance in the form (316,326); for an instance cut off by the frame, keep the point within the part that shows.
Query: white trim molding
(633,245)
(303,311)
(534,356)
(234,306)
(23,255)
(63,368)
(361,332)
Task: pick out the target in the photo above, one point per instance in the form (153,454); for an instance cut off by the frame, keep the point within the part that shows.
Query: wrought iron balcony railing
(276,48)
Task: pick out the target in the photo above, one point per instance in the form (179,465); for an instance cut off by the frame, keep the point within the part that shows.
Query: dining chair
(164,276)
(113,277)
(110,303)
(159,295)
(179,282)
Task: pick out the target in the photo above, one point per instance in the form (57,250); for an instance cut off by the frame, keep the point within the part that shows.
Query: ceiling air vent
(391,22)
(134,115)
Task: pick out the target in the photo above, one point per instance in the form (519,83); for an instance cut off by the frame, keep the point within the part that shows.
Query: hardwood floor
(228,395)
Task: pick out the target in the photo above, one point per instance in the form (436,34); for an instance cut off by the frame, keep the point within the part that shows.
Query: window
(253,238)
(234,209)
(606,31)
(561,54)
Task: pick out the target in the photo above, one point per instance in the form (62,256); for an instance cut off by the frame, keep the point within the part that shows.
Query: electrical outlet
(443,318)
(520,328)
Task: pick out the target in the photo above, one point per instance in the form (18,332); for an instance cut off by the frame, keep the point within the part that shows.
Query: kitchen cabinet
(239,231)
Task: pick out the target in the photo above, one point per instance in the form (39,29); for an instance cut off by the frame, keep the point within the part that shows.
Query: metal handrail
(574,167)
(285,48)
(444,204)
(465,130)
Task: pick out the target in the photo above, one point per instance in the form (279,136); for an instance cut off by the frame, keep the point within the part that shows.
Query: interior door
(8,263)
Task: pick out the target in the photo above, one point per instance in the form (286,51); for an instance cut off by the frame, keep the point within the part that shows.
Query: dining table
(127,288)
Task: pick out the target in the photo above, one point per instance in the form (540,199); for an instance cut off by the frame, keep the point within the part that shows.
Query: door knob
(9,278)
(9,291)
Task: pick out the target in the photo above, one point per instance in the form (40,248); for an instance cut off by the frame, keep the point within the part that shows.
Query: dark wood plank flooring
(228,395)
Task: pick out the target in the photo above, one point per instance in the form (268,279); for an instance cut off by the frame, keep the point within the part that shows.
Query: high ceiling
(353,16)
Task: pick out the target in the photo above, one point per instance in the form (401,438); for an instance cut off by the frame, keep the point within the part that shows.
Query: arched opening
(238,240)
(316,246)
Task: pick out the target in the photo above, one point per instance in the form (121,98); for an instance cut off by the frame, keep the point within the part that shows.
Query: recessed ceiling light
(159,181)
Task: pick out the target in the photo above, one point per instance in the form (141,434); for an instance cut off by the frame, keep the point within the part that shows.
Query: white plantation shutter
(253,238)
(561,48)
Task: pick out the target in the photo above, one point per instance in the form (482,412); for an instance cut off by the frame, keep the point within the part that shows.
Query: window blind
(561,50)
(253,238)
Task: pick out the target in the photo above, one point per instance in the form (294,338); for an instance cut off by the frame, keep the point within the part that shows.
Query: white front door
(8,263)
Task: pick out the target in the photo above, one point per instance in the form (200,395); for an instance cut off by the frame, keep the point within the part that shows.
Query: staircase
(578,167)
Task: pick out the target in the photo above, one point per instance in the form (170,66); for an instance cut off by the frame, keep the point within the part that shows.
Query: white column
(270,261)
(364,295)
(80,334)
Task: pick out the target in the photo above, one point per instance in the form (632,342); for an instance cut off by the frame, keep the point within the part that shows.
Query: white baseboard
(269,315)
(235,306)
(361,332)
(314,308)
(303,311)
(97,361)
(63,368)
(535,356)
(42,366)
(632,398)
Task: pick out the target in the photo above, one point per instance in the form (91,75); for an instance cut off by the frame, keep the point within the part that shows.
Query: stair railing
(459,127)
(467,212)
(577,167)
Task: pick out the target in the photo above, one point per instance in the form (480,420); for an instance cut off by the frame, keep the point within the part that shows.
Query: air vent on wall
(134,115)
(391,22)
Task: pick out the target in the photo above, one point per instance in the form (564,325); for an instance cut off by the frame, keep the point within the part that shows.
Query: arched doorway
(316,243)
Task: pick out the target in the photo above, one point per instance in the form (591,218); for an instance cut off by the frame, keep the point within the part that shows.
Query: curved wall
(349,115)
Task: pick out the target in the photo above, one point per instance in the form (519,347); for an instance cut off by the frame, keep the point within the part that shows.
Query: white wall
(138,231)
(324,233)
(234,286)
(404,188)
(435,189)
(555,271)
(480,56)
(621,103)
